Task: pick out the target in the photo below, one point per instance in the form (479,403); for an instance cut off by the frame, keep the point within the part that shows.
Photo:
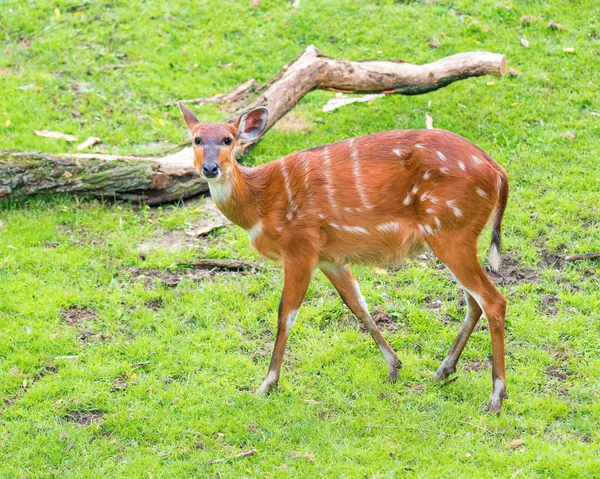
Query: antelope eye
(227,141)
(197,141)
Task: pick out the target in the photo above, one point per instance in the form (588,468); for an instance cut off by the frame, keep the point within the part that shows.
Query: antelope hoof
(393,370)
(495,403)
(444,371)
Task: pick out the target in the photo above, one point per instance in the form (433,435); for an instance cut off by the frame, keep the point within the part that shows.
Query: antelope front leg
(347,287)
(295,284)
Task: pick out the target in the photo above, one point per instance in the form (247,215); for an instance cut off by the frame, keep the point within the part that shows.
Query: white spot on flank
(336,226)
(407,200)
(434,200)
(353,210)
(355,229)
(480,192)
(389,227)
(429,210)
(422,229)
(288,189)
(255,231)
(441,156)
(429,229)
(220,192)
(418,145)
(357,174)
(457,212)
(321,216)
(397,152)
(476,160)
(424,196)
(445,170)
(438,223)
(462,166)
(415,189)
(290,319)
(427,175)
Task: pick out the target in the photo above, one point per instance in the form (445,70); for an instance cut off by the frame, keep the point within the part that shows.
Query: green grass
(204,346)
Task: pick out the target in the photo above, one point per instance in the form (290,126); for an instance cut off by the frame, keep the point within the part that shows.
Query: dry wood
(576,257)
(158,180)
(251,452)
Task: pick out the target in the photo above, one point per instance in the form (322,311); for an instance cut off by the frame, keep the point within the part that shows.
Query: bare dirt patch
(475,364)
(383,320)
(85,419)
(558,372)
(549,304)
(209,219)
(512,272)
(75,315)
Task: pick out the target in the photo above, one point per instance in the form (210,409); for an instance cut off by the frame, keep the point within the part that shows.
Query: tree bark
(162,179)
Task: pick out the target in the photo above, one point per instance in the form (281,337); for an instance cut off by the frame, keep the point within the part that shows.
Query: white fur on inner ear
(255,131)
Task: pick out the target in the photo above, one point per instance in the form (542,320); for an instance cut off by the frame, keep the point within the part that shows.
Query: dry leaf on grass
(526,19)
(55,134)
(569,50)
(569,135)
(338,102)
(555,26)
(91,141)
(524,42)
(254,3)
(428,121)
(435,43)
(512,72)
(299,455)
(517,443)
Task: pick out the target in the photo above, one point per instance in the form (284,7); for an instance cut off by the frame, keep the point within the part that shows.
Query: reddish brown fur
(329,206)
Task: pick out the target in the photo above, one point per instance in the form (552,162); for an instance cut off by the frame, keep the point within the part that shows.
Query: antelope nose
(210,170)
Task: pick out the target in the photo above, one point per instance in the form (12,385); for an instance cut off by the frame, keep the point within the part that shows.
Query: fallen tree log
(150,180)
(169,178)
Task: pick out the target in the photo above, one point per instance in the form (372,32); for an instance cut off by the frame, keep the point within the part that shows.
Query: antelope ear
(190,119)
(252,124)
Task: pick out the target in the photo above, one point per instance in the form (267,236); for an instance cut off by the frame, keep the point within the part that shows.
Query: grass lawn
(106,372)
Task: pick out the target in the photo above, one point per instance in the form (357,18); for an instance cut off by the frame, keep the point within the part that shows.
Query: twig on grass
(223,264)
(251,452)
(576,257)
(483,428)
(421,429)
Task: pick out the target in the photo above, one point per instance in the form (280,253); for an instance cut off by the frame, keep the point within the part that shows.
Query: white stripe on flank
(476,160)
(255,231)
(355,229)
(480,192)
(389,227)
(357,177)
(336,226)
(327,168)
(444,170)
(288,189)
(462,166)
(304,161)
(407,200)
(441,156)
